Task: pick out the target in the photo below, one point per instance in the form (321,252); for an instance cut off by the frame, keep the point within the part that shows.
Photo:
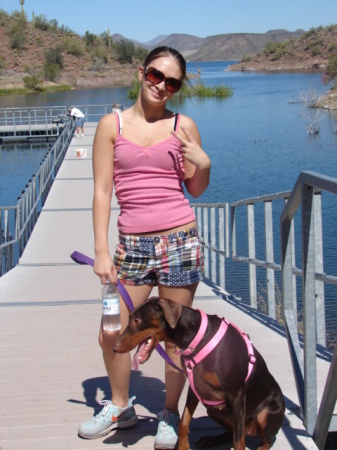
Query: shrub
(200,90)
(274,47)
(17,39)
(331,73)
(133,92)
(90,39)
(125,51)
(101,53)
(2,63)
(73,46)
(140,53)
(51,72)
(17,36)
(197,90)
(54,56)
(4,18)
(33,83)
(41,23)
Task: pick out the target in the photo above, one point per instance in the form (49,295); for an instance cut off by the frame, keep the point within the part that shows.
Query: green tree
(125,51)
(90,39)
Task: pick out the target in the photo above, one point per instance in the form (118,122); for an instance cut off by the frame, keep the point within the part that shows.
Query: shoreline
(327,101)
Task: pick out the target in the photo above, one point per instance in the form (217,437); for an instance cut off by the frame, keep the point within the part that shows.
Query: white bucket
(81,152)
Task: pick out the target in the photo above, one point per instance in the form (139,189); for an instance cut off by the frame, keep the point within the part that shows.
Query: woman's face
(158,92)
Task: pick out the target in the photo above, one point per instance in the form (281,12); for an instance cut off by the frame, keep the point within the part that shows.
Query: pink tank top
(149,185)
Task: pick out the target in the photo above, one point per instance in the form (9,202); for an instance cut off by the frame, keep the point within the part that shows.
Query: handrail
(24,215)
(304,366)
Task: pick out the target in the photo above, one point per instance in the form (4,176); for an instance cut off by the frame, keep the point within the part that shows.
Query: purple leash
(83,259)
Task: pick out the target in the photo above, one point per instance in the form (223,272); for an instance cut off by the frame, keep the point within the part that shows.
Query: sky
(144,20)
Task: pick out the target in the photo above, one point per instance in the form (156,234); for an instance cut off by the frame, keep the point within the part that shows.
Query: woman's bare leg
(175,380)
(118,366)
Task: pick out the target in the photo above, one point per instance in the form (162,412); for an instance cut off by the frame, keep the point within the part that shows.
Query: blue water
(256,139)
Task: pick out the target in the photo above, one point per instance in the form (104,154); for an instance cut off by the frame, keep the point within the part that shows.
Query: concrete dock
(52,375)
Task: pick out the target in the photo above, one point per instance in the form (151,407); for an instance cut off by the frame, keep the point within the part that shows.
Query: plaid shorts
(175,259)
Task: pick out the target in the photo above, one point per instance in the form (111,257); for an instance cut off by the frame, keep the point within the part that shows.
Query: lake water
(256,139)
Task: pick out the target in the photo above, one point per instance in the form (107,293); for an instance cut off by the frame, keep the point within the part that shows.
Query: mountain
(311,51)
(232,46)
(88,61)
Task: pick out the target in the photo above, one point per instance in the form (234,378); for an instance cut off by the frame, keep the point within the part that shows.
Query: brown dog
(254,406)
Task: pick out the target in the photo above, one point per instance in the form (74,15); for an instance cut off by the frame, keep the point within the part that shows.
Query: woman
(148,152)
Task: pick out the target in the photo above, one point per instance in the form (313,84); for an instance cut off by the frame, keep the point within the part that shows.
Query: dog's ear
(172,311)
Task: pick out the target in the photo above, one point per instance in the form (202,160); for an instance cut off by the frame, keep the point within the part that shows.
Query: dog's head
(148,325)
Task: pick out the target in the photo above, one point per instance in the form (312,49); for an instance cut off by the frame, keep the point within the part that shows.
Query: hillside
(310,52)
(236,46)
(96,61)
(81,69)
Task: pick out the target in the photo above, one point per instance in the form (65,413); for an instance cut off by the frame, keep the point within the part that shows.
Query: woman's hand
(197,164)
(191,149)
(105,268)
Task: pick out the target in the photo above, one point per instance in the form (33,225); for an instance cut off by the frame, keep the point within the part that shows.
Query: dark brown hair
(158,52)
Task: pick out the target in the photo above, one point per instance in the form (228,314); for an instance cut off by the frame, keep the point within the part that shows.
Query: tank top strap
(119,122)
(176,122)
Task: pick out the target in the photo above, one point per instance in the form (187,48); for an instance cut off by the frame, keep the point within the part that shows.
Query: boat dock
(52,375)
(31,124)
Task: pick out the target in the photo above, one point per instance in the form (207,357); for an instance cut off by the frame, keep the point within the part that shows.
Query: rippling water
(256,139)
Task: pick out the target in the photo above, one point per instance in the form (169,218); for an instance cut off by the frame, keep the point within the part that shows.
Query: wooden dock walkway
(51,369)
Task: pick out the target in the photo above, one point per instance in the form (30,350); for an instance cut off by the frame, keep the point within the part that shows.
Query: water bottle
(111,317)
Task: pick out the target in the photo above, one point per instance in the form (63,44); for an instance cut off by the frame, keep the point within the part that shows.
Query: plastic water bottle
(111,317)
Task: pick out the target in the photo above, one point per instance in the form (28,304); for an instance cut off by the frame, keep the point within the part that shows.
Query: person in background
(80,118)
(148,153)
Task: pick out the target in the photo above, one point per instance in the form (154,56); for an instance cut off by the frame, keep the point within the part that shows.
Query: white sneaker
(167,433)
(110,418)
(76,135)
(82,135)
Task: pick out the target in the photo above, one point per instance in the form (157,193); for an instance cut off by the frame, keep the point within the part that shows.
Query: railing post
(290,315)
(213,256)
(309,308)
(222,258)
(319,285)
(233,230)
(206,240)
(269,244)
(251,255)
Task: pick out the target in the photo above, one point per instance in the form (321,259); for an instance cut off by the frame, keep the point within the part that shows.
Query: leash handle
(85,260)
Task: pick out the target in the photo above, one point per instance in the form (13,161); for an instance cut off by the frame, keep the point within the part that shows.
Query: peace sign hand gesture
(191,149)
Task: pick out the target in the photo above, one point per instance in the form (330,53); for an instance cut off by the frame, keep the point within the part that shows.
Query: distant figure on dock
(80,118)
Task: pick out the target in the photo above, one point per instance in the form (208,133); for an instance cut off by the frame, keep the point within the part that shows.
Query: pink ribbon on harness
(191,363)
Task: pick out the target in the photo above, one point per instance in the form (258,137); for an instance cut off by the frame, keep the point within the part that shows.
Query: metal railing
(303,196)
(28,123)
(306,195)
(22,218)
(213,224)
(44,122)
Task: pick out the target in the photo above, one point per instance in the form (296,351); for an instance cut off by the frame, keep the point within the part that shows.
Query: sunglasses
(156,76)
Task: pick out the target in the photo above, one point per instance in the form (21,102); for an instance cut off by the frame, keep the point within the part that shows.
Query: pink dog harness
(191,363)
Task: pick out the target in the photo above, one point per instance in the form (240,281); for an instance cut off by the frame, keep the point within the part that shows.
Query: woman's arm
(103,158)
(197,164)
